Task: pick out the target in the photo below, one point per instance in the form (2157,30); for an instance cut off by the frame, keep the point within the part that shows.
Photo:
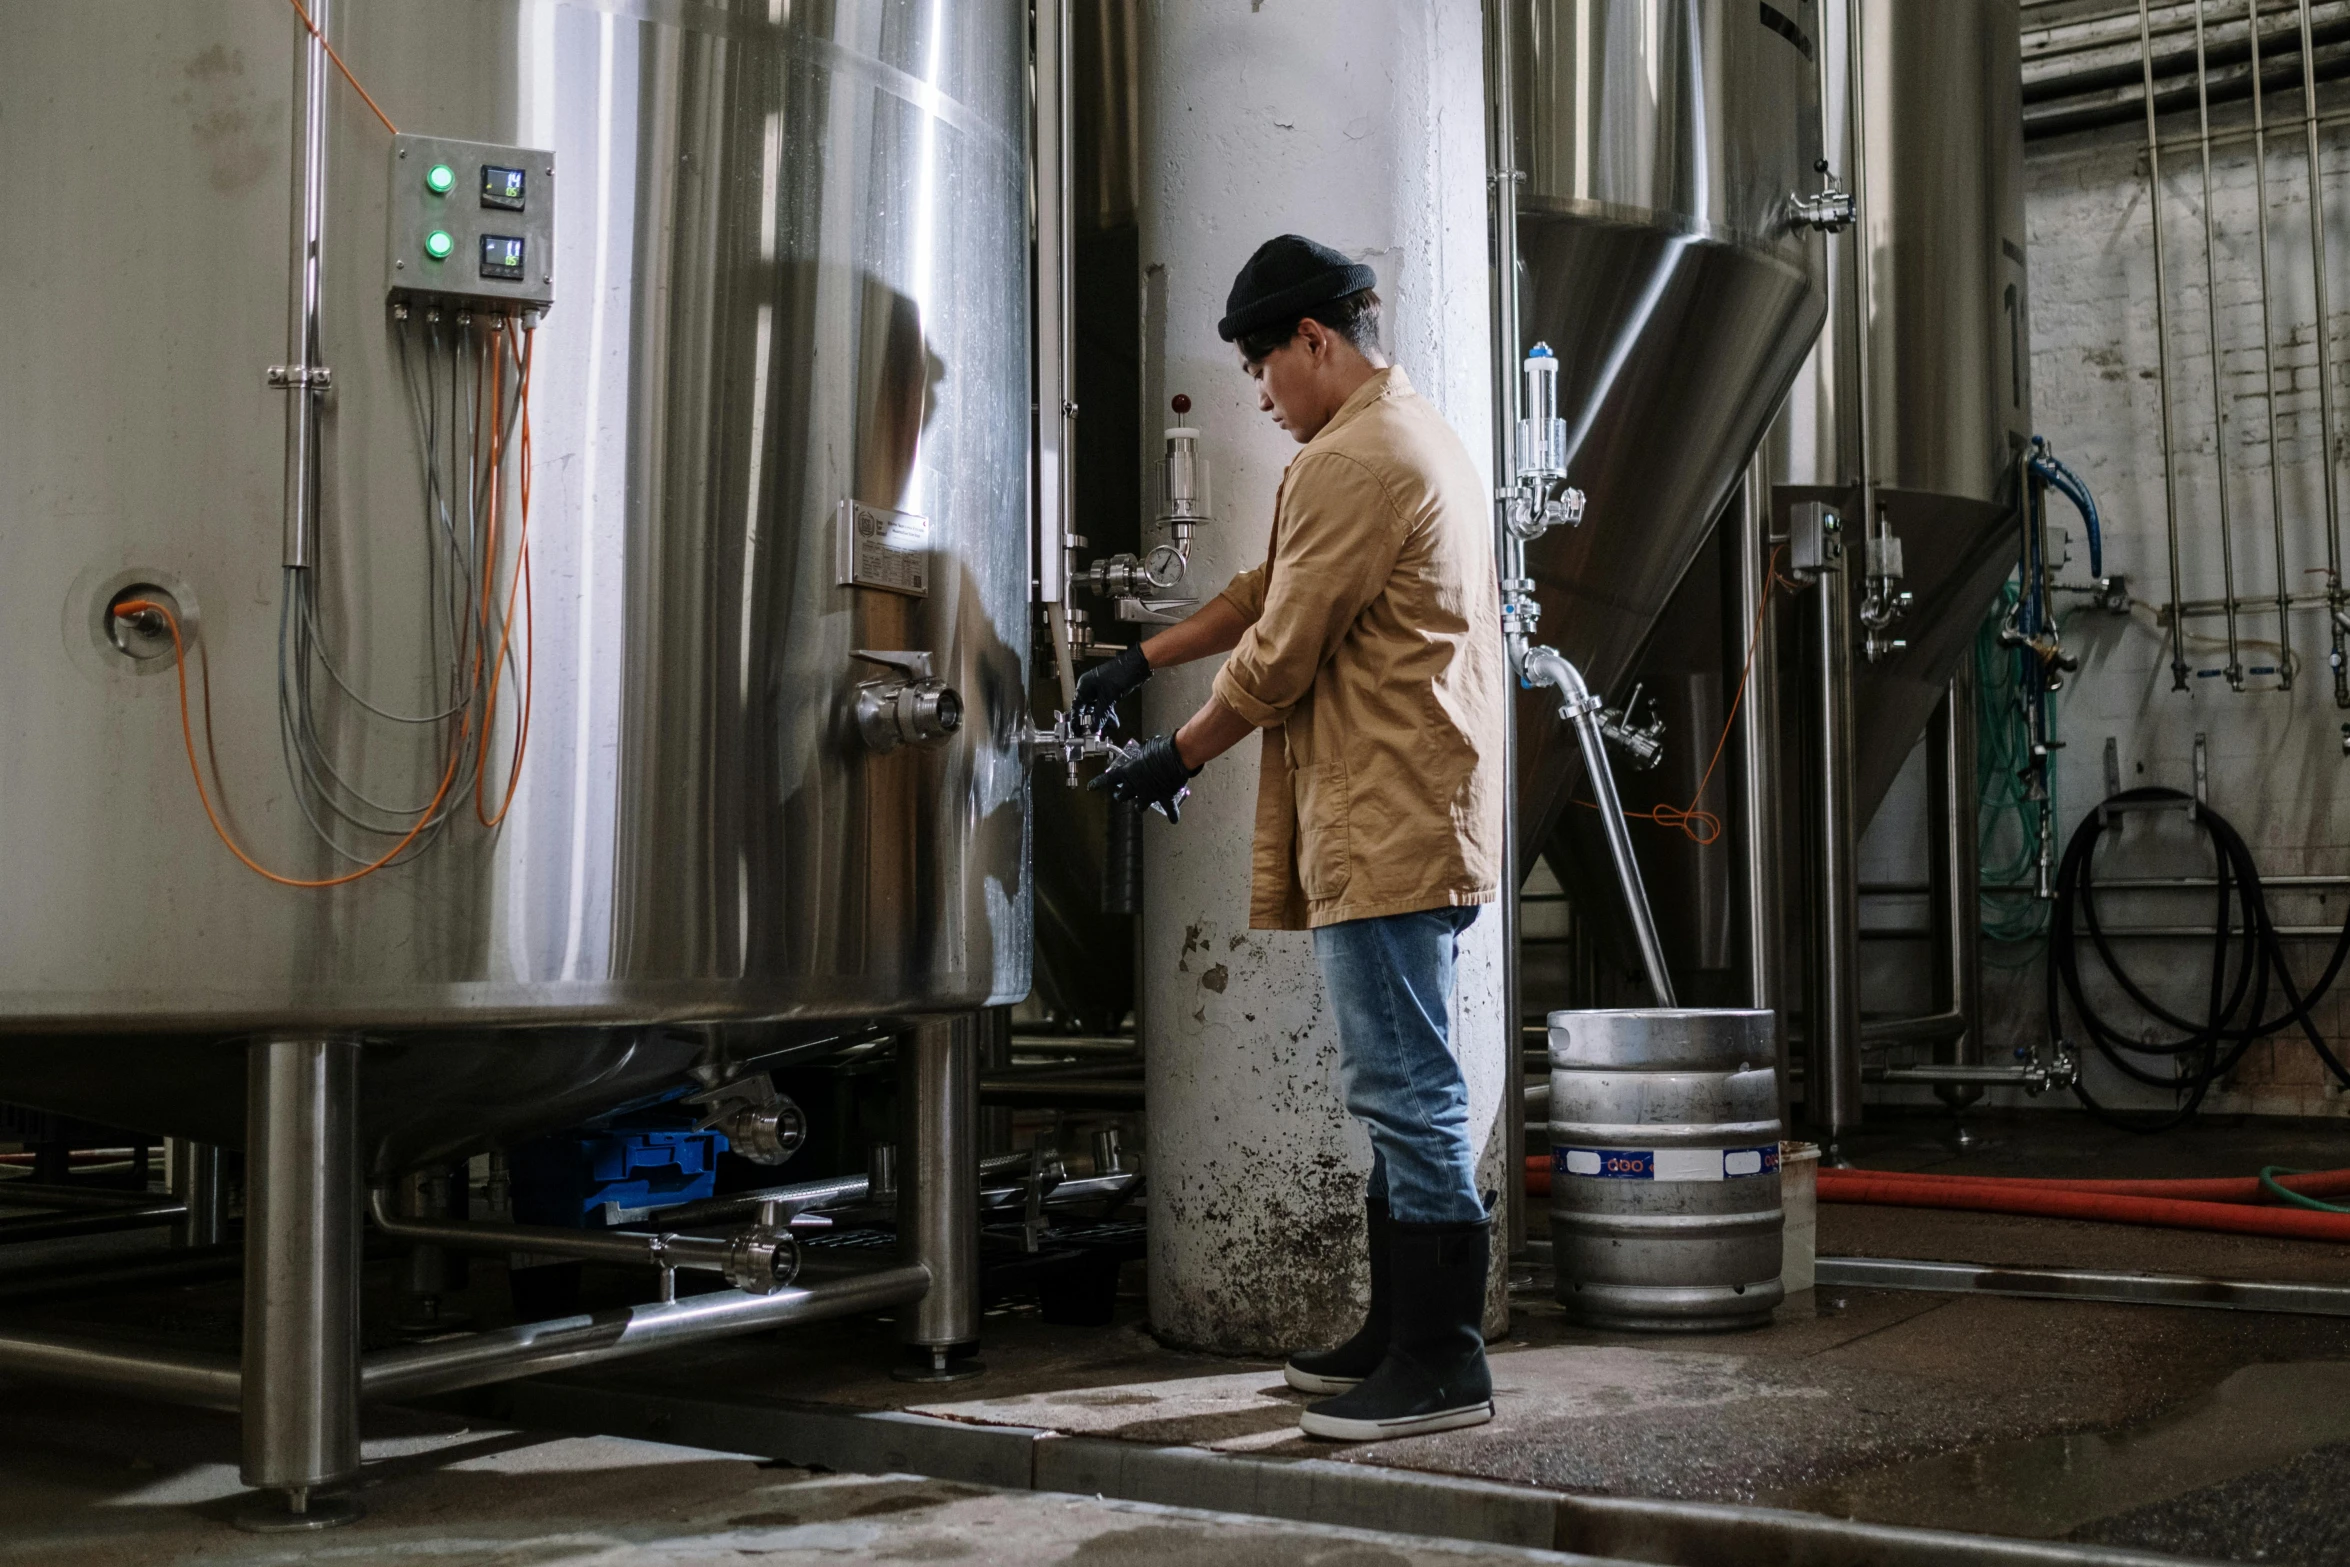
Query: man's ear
(1314,336)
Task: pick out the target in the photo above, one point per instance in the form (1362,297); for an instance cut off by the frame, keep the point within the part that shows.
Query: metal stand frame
(938,1193)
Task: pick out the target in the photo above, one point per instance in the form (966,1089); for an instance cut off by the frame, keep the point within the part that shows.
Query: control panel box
(472,224)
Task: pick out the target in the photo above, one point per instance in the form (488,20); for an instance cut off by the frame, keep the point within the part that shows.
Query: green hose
(2003,757)
(2283,1193)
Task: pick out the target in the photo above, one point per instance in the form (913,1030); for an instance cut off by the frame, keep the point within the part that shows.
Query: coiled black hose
(2248,963)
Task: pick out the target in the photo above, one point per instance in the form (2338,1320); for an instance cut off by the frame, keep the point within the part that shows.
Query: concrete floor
(2208,1433)
(99,1482)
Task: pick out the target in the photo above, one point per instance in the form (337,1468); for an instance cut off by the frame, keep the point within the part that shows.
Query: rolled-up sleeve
(1246,593)
(1339,538)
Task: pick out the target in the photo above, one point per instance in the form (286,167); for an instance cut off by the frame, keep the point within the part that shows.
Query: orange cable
(521,583)
(1704,827)
(340,66)
(188,737)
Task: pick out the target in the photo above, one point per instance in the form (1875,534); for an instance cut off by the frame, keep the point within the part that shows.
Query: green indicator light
(438,244)
(440,179)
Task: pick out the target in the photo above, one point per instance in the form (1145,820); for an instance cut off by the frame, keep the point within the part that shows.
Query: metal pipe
(301,1360)
(1056,401)
(51,1227)
(938,1181)
(1068,1093)
(2325,364)
(709,1253)
(446,1365)
(1758,761)
(470,1360)
(302,375)
(196,1173)
(1501,159)
(179,1265)
(2170,482)
(1832,1100)
(1958,918)
(2219,418)
(174,1376)
(2268,357)
(1856,137)
(2136,1289)
(73,1196)
(1546,667)
(1937,1028)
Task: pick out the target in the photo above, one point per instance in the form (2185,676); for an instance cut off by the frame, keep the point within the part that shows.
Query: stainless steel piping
(2136,1289)
(2325,367)
(302,1254)
(1856,135)
(762,1259)
(303,376)
(445,1365)
(196,1176)
(2268,355)
(173,1376)
(2219,418)
(102,1221)
(1958,917)
(1758,762)
(1501,161)
(938,1183)
(2170,482)
(1832,1101)
(472,1359)
(1935,1028)
(1056,403)
(1544,666)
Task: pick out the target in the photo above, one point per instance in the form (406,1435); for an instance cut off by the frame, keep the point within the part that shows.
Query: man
(1368,650)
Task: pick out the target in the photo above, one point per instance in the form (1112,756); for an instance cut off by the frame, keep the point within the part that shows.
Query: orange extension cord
(1703,826)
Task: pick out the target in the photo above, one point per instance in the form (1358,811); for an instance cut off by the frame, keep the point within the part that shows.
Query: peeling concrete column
(1361,124)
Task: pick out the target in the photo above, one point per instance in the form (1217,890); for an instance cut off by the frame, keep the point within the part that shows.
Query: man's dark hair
(1354,317)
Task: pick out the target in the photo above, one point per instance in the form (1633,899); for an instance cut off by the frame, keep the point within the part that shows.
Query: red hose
(2234,1188)
(1983,1196)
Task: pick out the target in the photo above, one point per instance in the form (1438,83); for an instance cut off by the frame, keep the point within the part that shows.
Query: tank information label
(1665,1164)
(885,549)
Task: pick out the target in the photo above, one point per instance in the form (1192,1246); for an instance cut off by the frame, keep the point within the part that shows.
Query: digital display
(501,257)
(501,187)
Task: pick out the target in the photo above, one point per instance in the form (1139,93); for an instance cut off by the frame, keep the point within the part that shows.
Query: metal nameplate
(1666,1164)
(884,549)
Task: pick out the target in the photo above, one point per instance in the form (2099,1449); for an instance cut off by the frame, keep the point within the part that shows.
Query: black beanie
(1286,279)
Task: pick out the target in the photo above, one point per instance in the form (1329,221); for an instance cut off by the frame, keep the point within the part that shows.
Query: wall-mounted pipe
(1056,398)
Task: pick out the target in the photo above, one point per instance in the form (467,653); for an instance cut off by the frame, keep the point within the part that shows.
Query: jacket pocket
(1325,860)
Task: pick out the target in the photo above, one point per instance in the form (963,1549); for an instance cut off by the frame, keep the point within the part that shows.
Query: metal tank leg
(193,1171)
(938,1194)
(1957,877)
(1832,1076)
(301,1362)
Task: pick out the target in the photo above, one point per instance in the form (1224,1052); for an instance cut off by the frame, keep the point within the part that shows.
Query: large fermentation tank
(1662,146)
(790,272)
(1947,382)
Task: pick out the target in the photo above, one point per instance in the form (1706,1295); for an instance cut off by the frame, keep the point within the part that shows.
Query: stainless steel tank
(789,274)
(1662,146)
(1935,418)
(1664,1188)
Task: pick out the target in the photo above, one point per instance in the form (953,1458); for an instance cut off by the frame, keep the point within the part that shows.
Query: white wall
(2277,763)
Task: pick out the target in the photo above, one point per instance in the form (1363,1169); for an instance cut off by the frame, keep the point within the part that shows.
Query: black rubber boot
(1434,1377)
(1336,1370)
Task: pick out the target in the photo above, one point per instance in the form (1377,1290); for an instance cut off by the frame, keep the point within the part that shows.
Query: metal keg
(1664,1188)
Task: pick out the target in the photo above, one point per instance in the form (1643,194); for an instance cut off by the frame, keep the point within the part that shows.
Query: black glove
(1099,688)
(1151,774)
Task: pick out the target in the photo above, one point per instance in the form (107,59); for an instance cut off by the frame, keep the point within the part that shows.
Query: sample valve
(916,708)
(1538,500)
(1883,600)
(1145,585)
(1831,209)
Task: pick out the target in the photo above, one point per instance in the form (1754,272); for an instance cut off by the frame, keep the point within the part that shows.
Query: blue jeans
(1390,984)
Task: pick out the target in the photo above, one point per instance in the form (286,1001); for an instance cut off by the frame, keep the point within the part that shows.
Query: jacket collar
(1390,382)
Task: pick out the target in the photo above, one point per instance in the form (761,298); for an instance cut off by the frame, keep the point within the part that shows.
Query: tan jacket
(1373,662)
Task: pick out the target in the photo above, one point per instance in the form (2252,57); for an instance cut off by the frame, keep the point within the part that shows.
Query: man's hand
(1100,687)
(1151,774)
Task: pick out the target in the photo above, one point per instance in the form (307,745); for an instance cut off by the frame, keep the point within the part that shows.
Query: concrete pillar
(1361,124)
